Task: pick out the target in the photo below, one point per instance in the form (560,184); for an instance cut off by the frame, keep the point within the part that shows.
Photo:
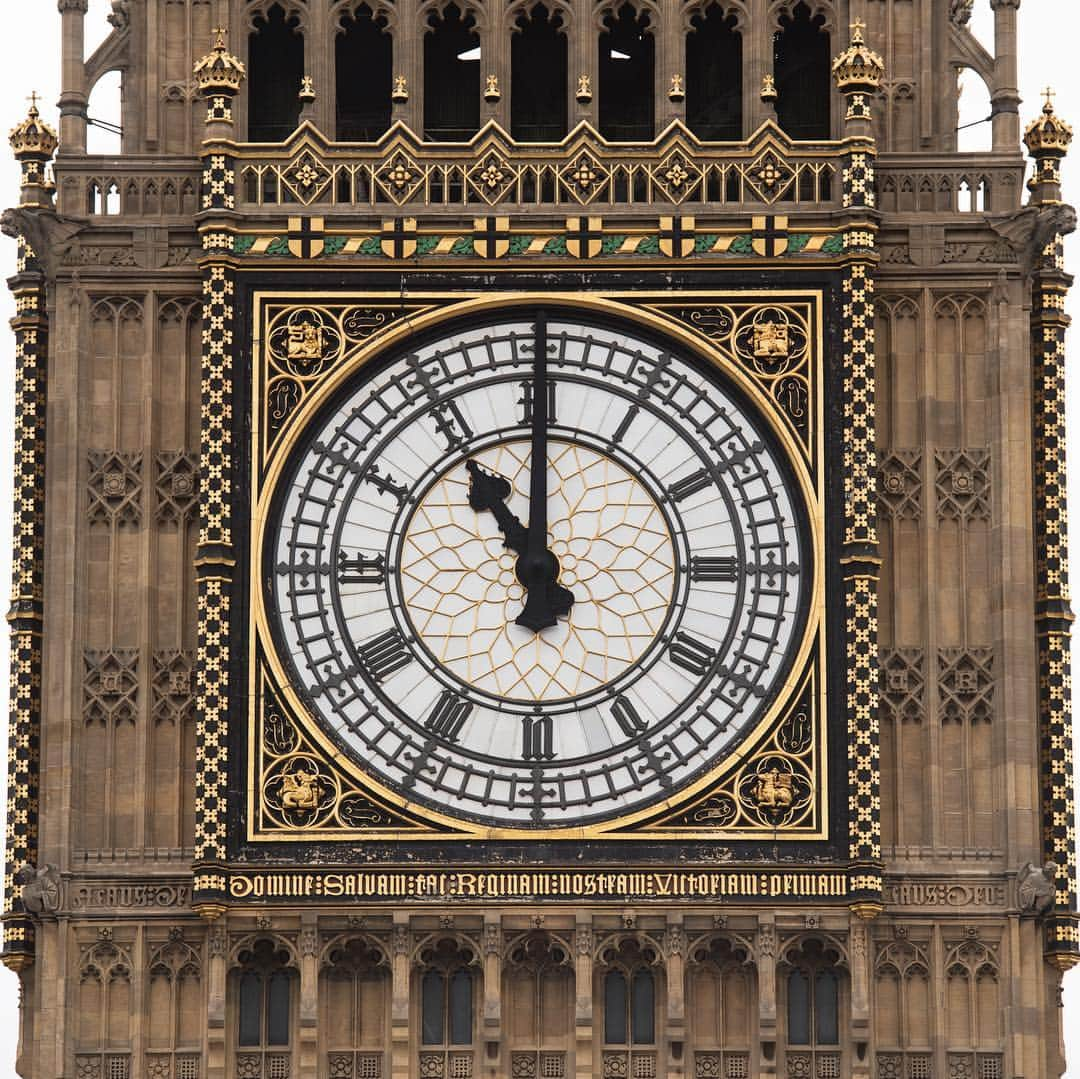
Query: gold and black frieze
(1048,140)
(33,143)
(25,615)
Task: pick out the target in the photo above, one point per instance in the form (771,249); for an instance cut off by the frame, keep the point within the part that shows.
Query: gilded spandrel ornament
(305,341)
(300,790)
(773,789)
(771,340)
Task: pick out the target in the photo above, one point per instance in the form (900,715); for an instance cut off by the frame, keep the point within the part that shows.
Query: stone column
(766,977)
(584,73)
(584,944)
(491,1033)
(399,1004)
(73,99)
(675,947)
(757,34)
(859,960)
(1005,97)
(495,68)
(309,995)
(217,959)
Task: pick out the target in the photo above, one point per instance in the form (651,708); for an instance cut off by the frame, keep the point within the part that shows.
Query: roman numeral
(627,716)
(527,405)
(450,423)
(360,569)
(448,716)
(385,654)
(691,654)
(690,485)
(724,568)
(624,426)
(537,736)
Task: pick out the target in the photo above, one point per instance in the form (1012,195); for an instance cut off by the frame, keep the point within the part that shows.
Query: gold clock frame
(384,813)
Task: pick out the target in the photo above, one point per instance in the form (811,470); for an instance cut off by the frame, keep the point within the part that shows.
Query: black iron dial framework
(678,524)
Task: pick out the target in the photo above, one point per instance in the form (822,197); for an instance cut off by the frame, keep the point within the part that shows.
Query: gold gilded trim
(437,308)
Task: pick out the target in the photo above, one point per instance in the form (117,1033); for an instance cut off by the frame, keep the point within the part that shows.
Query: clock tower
(540,549)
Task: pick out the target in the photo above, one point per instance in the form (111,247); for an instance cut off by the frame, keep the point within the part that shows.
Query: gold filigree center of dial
(615,554)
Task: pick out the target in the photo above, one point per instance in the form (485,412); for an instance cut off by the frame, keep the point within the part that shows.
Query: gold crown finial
(33,137)
(220,34)
(1048,99)
(857,28)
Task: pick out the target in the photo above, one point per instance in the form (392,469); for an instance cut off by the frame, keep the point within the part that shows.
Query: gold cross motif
(1048,96)
(220,32)
(857,28)
(33,99)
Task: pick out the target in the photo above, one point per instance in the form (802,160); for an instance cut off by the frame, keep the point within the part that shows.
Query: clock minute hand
(537,568)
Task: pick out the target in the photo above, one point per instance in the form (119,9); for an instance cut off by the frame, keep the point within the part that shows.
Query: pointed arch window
(275,70)
(627,77)
(802,68)
(364,53)
(814,987)
(538,73)
(714,97)
(355,1007)
(448,985)
(451,76)
(264,996)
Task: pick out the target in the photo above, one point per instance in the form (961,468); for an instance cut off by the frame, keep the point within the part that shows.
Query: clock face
(538,648)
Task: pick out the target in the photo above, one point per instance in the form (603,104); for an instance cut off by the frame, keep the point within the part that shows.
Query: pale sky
(30,60)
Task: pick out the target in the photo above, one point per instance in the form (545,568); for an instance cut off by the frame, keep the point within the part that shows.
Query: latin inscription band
(534,884)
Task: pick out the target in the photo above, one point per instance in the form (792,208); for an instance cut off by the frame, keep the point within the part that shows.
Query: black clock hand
(490,492)
(538,569)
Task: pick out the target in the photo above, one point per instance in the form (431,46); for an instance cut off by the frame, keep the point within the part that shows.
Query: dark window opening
(432,995)
(615,1029)
(446,1007)
(798,1008)
(801,64)
(538,71)
(264,992)
(627,76)
(451,77)
(813,999)
(275,71)
(630,1008)
(365,56)
(714,100)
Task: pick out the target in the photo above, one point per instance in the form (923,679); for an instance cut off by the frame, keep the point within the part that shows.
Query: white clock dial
(399,549)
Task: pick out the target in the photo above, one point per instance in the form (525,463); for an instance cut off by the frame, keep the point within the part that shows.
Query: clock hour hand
(546,598)
(490,492)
